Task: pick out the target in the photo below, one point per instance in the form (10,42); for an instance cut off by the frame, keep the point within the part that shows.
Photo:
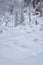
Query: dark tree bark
(35,2)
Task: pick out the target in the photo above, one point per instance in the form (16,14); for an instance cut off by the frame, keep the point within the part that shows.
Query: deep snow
(22,45)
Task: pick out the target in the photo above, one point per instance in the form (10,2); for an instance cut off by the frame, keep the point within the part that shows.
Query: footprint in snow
(28,32)
(15,43)
(23,46)
(35,40)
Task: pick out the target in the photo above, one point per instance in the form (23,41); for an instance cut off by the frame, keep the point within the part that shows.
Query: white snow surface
(22,45)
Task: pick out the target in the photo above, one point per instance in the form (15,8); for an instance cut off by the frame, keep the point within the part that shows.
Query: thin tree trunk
(29,16)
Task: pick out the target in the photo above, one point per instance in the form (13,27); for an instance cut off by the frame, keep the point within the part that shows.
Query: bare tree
(37,6)
(16,19)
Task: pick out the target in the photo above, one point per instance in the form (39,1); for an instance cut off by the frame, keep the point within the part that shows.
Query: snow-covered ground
(22,45)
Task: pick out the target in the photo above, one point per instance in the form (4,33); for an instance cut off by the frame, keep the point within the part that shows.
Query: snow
(34,60)
(22,45)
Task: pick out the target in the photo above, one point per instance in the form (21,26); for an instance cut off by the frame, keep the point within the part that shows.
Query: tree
(35,2)
(16,19)
(26,2)
(37,6)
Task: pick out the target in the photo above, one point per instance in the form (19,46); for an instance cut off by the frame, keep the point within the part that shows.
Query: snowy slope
(22,45)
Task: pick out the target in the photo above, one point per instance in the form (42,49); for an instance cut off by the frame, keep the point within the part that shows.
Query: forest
(21,32)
